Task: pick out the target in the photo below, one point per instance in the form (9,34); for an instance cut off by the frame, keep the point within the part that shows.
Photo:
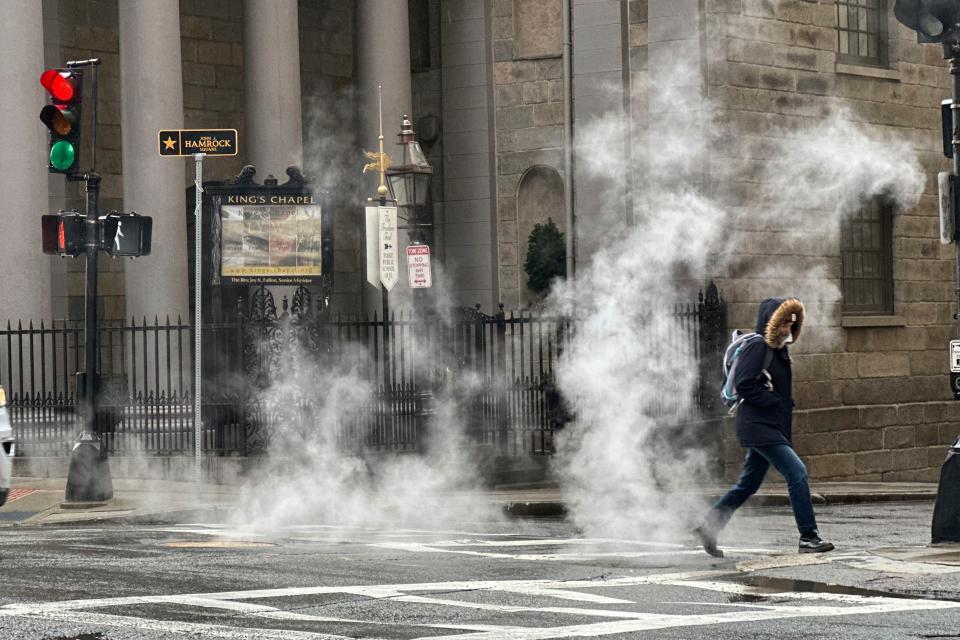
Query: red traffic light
(64,233)
(60,84)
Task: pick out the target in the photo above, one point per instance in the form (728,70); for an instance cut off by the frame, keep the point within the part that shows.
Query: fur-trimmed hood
(775,311)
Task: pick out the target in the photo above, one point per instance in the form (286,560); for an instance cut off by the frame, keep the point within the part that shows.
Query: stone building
(509,128)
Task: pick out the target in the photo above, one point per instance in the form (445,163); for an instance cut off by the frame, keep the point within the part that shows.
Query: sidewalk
(39,501)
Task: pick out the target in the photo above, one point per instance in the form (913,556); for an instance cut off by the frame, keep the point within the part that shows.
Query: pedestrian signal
(126,234)
(62,117)
(64,233)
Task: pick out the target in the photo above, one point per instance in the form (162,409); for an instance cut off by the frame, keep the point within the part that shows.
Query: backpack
(738,342)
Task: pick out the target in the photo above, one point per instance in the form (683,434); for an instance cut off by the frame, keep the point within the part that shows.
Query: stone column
(383,59)
(599,124)
(152,93)
(24,269)
(272,71)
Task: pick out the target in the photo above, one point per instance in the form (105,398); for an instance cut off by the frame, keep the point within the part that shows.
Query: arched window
(539,198)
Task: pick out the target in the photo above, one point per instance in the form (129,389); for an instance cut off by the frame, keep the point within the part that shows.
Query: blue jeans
(785,460)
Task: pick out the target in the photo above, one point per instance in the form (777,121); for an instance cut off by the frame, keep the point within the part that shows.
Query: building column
(271,62)
(25,279)
(152,93)
(598,83)
(383,60)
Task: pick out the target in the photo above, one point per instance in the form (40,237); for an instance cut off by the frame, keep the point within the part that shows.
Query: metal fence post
(500,378)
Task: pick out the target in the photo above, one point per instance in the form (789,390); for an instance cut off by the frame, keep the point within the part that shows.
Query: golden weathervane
(381,161)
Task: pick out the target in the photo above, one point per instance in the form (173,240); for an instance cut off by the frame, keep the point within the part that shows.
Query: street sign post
(197,143)
(418,267)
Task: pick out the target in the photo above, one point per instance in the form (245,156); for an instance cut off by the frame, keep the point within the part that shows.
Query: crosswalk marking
(606,606)
(618,621)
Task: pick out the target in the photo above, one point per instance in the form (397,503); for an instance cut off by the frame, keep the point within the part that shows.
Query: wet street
(515,579)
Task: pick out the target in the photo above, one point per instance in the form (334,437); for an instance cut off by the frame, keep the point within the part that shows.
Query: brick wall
(528,96)
(211,51)
(872,393)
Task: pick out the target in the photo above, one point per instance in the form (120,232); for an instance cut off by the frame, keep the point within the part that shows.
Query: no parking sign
(418,266)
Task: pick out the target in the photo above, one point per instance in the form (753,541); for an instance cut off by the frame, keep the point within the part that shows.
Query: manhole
(217,544)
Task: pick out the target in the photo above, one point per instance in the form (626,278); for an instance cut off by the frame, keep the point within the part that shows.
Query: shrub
(546,256)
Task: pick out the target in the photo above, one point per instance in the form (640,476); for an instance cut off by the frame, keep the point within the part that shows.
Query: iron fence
(493,375)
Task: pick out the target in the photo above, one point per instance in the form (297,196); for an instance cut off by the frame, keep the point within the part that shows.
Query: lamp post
(410,185)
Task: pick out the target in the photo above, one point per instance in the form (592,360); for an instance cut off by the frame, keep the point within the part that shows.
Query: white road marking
(623,621)
(872,562)
(618,620)
(198,628)
(429,547)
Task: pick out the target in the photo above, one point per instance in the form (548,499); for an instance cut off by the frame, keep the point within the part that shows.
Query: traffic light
(126,234)
(933,20)
(64,233)
(62,117)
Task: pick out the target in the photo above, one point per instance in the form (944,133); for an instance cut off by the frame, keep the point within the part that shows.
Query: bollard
(946,513)
(89,477)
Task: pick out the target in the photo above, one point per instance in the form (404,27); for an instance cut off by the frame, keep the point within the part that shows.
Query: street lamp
(410,180)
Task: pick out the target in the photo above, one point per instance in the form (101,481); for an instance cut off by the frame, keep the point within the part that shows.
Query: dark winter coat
(765,417)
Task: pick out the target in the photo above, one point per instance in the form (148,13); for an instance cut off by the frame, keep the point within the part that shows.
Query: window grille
(862,32)
(866,256)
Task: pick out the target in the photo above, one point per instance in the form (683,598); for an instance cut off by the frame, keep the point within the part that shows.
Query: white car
(6,449)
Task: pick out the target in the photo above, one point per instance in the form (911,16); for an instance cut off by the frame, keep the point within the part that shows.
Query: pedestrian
(764,419)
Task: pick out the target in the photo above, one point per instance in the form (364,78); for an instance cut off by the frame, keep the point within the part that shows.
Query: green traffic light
(62,155)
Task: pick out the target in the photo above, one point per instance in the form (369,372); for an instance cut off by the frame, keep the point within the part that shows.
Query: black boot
(810,542)
(708,539)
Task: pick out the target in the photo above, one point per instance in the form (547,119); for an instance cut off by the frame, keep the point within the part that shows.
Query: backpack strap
(767,358)
(764,373)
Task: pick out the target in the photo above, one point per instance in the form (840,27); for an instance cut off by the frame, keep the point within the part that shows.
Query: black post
(499,374)
(385,303)
(88,479)
(946,512)
(385,306)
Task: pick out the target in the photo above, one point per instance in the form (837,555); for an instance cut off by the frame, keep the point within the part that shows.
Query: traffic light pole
(91,324)
(88,479)
(946,512)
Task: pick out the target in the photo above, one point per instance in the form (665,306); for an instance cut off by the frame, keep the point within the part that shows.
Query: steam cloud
(628,372)
(625,468)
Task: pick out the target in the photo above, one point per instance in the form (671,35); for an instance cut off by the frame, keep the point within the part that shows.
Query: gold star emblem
(169,143)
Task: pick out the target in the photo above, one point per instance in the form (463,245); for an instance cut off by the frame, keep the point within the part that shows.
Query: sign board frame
(419,268)
(284,234)
(187,142)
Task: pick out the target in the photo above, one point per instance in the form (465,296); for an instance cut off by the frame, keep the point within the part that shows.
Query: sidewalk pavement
(40,501)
